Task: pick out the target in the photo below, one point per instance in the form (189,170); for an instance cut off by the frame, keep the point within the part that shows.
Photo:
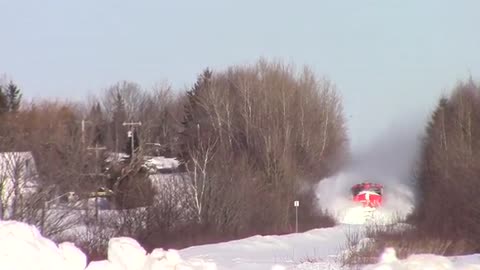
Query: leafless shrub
(366,247)
(357,250)
(93,239)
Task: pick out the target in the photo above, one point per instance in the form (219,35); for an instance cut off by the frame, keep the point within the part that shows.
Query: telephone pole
(83,130)
(132,126)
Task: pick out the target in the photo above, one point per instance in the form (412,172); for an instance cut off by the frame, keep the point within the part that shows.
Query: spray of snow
(389,160)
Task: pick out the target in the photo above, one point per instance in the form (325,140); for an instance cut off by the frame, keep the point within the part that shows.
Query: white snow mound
(22,247)
(389,261)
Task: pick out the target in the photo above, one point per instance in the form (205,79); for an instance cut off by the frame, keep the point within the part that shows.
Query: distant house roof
(5,156)
(161,163)
(116,157)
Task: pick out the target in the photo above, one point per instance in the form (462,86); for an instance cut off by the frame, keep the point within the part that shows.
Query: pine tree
(96,116)
(13,97)
(194,114)
(119,116)
(3,101)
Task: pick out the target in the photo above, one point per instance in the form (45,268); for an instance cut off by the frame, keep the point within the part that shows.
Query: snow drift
(389,160)
(389,261)
(22,247)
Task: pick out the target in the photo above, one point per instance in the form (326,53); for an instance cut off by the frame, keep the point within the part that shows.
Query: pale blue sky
(389,59)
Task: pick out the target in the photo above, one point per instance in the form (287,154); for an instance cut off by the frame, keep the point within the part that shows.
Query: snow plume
(388,160)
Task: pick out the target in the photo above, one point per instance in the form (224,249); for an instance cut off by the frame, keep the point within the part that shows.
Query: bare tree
(283,129)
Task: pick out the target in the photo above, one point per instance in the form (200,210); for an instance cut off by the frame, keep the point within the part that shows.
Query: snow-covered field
(22,247)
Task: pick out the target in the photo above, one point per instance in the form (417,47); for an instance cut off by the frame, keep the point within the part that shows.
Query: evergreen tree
(13,97)
(3,101)
(449,170)
(119,116)
(194,114)
(97,118)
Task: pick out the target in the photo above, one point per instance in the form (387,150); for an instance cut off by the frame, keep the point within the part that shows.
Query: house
(18,180)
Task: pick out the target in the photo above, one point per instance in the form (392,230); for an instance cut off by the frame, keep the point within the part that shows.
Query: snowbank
(273,251)
(22,247)
(389,261)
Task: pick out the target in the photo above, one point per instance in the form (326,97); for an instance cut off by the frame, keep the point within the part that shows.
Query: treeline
(449,171)
(63,135)
(251,140)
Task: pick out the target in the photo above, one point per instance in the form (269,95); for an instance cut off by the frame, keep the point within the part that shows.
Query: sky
(390,60)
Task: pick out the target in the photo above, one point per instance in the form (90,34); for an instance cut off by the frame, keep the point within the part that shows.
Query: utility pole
(132,129)
(97,150)
(83,130)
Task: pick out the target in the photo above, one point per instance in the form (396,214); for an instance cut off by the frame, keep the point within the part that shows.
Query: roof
(5,156)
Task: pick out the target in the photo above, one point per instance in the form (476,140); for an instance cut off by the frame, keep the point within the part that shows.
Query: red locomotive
(368,194)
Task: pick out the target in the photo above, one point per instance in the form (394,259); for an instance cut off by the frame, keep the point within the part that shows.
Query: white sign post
(296,204)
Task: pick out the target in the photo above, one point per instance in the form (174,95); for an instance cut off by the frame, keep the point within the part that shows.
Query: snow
(334,196)
(74,257)
(263,252)
(23,247)
(160,163)
(389,261)
(388,160)
(114,157)
(126,253)
(154,163)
